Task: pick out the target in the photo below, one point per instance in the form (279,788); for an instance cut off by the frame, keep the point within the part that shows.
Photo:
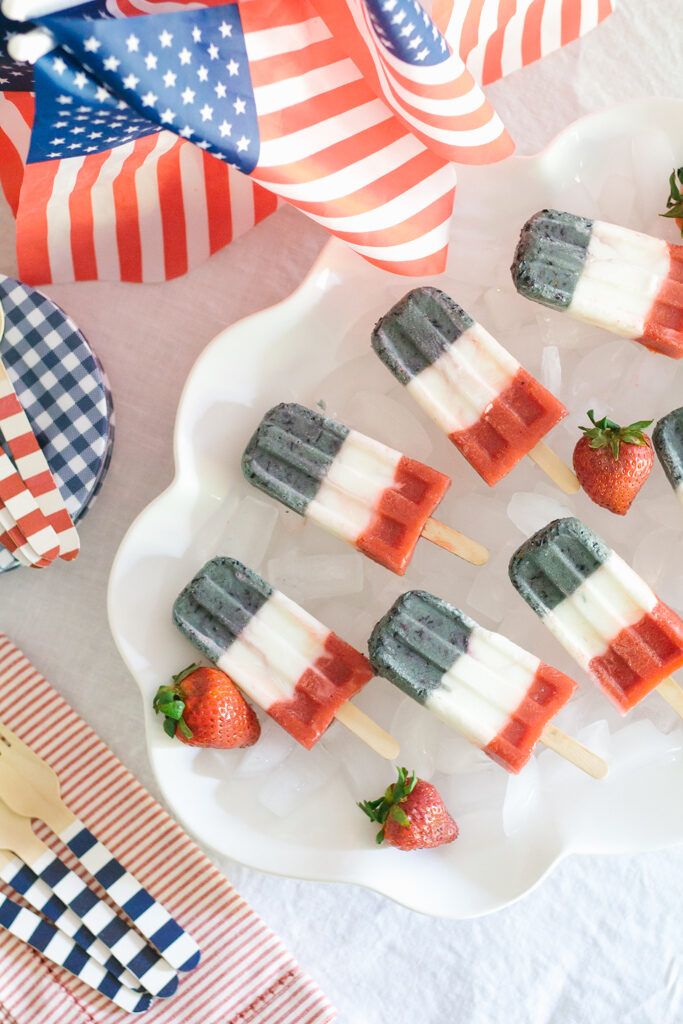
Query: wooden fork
(30,787)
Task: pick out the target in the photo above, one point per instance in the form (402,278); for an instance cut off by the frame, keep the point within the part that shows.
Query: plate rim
(585,124)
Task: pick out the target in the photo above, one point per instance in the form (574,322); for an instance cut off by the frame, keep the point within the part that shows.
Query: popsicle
(624,281)
(492,410)
(357,488)
(667,438)
(602,612)
(301,673)
(499,696)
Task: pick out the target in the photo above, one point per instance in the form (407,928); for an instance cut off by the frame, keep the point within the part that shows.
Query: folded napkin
(246,975)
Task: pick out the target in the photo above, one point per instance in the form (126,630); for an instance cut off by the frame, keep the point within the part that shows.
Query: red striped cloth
(246,975)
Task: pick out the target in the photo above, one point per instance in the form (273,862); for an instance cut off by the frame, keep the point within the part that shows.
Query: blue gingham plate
(64,391)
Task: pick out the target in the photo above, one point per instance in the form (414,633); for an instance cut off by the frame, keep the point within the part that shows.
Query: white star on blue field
(407,31)
(113,81)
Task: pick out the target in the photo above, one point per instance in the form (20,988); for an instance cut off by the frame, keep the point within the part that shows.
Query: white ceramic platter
(290,812)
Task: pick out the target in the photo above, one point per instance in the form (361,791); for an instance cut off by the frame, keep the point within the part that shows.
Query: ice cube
(417,730)
(481,790)
(522,799)
(316,577)
(600,370)
(639,743)
(342,383)
(530,511)
(366,774)
(564,332)
(505,311)
(273,747)
(249,530)
(551,369)
(652,558)
(456,756)
(596,737)
(617,199)
(653,160)
(491,592)
(390,421)
(301,775)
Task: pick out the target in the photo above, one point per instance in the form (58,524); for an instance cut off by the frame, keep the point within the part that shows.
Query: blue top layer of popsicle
(214,608)
(550,257)
(667,438)
(417,331)
(554,562)
(417,642)
(291,452)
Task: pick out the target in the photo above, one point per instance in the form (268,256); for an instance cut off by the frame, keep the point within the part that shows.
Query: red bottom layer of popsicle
(663,330)
(333,679)
(640,657)
(549,691)
(509,428)
(401,514)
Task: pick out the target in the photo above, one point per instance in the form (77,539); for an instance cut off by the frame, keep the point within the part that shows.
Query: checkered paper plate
(64,392)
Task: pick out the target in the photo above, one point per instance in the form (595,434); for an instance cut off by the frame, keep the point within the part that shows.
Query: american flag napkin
(130,164)
(246,975)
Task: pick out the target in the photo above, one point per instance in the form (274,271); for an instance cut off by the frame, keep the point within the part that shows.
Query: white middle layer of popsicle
(484,687)
(463,382)
(349,493)
(610,599)
(621,277)
(278,644)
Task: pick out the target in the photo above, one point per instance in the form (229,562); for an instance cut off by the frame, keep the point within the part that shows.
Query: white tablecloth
(600,940)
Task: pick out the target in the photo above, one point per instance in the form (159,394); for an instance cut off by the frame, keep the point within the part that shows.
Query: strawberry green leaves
(674,204)
(605,433)
(168,702)
(388,805)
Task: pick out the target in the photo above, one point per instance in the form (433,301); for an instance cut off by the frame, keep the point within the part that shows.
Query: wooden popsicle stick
(571,750)
(383,743)
(672,694)
(553,466)
(457,543)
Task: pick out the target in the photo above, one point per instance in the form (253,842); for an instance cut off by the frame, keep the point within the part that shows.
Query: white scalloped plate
(288,352)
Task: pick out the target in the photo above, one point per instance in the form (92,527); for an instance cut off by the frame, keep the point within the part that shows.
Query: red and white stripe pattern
(335,150)
(147,211)
(31,531)
(440,103)
(33,469)
(245,970)
(357,139)
(496,37)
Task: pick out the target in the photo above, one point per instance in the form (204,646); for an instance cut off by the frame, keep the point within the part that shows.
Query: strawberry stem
(388,805)
(168,701)
(605,433)
(674,204)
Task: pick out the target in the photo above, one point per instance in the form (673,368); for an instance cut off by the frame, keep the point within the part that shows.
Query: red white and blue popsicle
(602,612)
(291,665)
(492,409)
(364,492)
(499,696)
(624,281)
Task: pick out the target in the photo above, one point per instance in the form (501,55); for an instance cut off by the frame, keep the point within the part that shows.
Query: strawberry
(204,708)
(613,462)
(674,204)
(412,814)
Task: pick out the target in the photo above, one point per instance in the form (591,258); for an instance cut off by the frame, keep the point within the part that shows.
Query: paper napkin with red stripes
(246,975)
